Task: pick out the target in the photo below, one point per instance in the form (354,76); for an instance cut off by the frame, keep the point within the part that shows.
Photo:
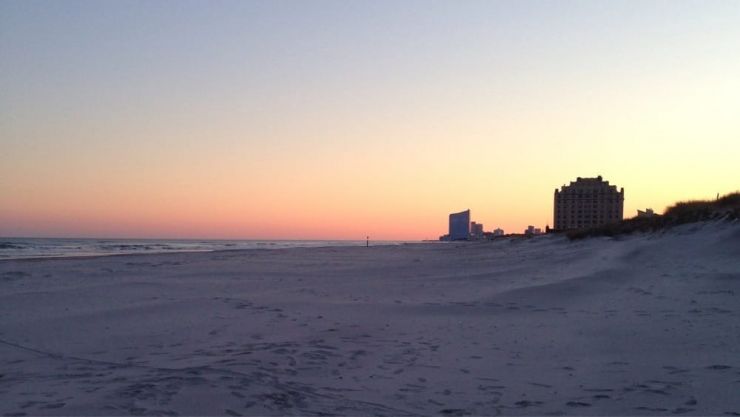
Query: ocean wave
(135,247)
(64,247)
(11,245)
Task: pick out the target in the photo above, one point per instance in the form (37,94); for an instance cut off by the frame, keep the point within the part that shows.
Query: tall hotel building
(587,202)
(460,225)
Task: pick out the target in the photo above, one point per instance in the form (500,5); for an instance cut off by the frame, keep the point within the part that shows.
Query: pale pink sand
(648,324)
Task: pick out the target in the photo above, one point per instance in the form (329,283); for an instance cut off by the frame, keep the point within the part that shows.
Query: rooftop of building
(587,182)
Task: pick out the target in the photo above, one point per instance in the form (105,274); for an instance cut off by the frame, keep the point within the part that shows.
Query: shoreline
(165,252)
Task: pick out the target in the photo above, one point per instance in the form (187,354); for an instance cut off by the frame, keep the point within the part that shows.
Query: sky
(341,119)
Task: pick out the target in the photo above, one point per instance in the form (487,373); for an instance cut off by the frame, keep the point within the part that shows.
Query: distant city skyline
(339,120)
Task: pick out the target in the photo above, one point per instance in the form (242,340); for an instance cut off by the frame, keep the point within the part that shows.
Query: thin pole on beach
(367,242)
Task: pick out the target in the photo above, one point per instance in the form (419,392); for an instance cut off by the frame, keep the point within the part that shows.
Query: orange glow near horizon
(330,195)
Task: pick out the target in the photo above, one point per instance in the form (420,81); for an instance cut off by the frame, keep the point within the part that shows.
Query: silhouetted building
(587,202)
(647,213)
(498,232)
(460,225)
(531,231)
(476,230)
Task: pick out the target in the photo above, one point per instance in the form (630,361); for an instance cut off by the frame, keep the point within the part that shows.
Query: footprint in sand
(454,412)
(672,370)
(525,403)
(655,409)
(577,404)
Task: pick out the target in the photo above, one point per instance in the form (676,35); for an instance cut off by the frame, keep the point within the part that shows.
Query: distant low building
(476,230)
(460,225)
(531,231)
(498,232)
(587,202)
(647,213)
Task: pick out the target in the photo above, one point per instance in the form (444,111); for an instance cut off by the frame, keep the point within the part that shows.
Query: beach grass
(726,207)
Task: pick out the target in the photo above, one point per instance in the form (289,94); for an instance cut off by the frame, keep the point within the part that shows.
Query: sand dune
(648,324)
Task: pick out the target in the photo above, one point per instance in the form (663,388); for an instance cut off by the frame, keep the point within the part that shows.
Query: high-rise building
(587,202)
(460,225)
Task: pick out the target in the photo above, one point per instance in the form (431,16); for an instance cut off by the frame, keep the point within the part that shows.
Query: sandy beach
(640,325)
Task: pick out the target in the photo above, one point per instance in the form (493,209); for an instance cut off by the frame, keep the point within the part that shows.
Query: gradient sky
(337,119)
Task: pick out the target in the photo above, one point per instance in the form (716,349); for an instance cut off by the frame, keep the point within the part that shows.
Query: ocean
(23,248)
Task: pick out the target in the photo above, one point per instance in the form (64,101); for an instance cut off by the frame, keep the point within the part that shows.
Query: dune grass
(726,207)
